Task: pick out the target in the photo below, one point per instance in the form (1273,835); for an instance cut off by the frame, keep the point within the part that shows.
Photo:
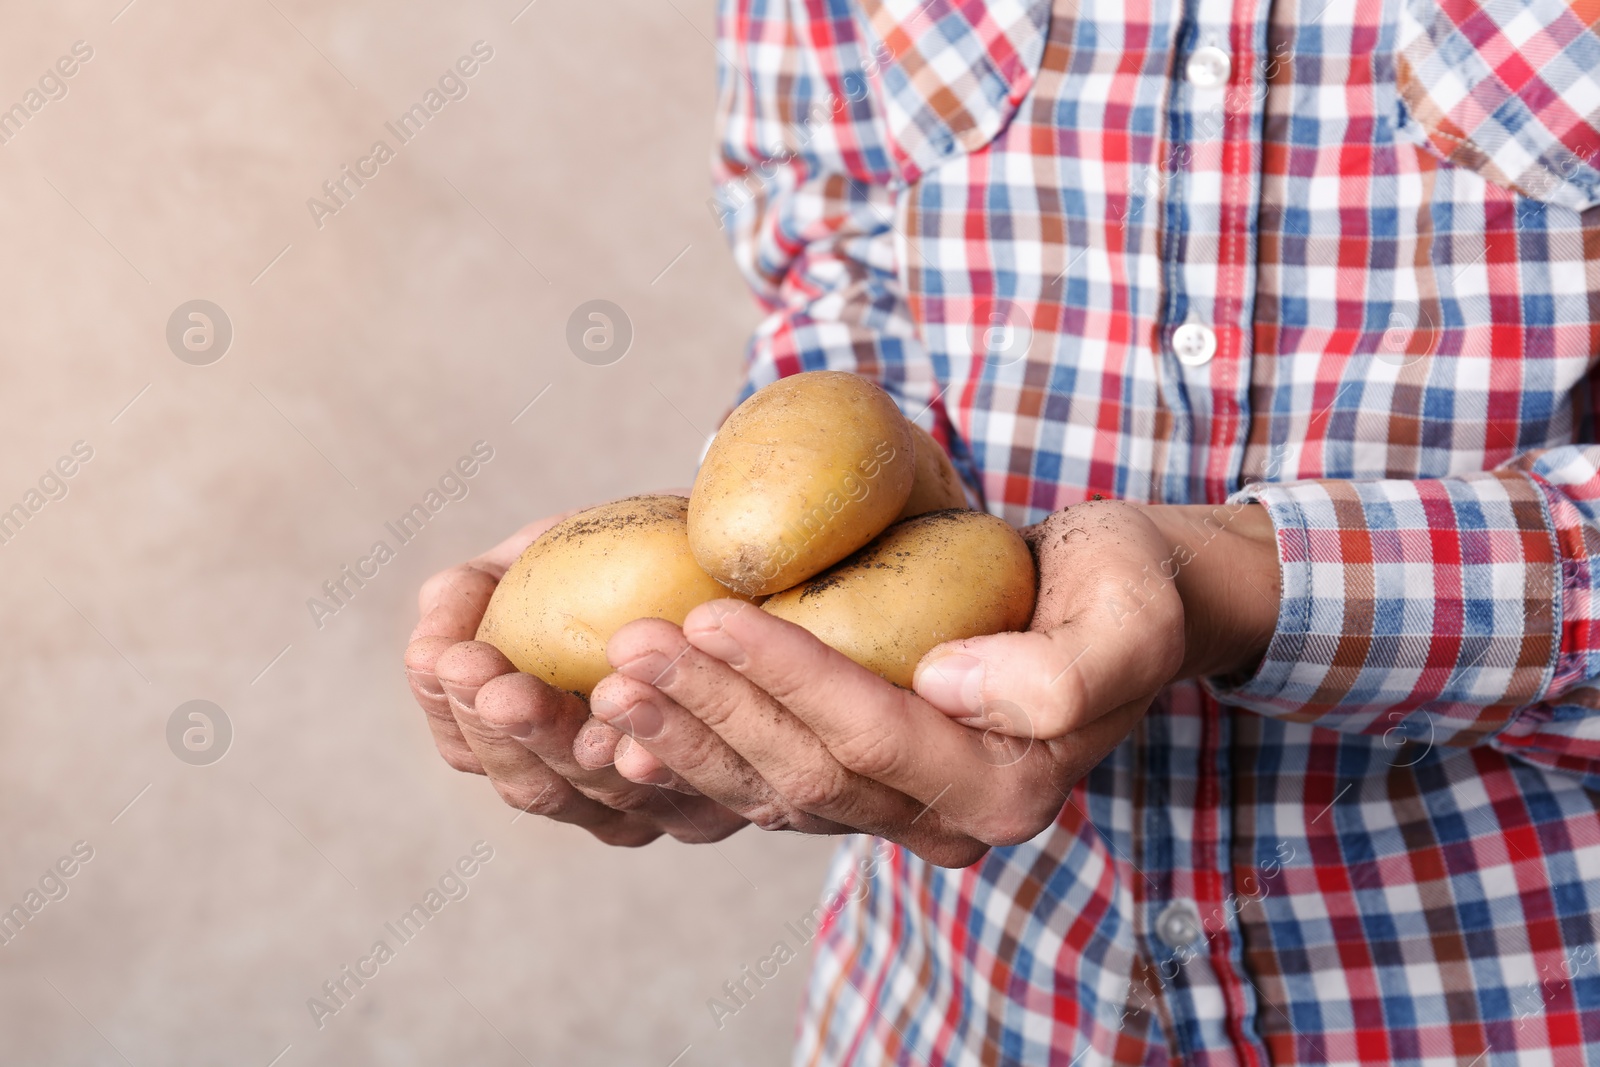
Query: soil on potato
(876,555)
(615,518)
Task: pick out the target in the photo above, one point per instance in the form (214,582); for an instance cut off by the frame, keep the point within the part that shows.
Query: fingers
(450,607)
(662,728)
(512,710)
(878,731)
(866,723)
(1108,628)
(1080,752)
(992,788)
(786,754)
(547,722)
(638,764)
(596,744)
(1033,779)
(452,603)
(526,783)
(735,785)
(599,745)
(1043,685)
(530,741)
(519,775)
(420,659)
(522,779)
(518,706)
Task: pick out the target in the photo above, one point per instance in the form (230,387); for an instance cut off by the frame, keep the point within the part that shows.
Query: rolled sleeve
(1434,599)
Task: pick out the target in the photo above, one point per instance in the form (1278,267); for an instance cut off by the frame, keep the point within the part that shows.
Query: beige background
(364,361)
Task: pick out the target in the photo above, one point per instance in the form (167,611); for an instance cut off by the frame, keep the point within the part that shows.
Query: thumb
(1042,685)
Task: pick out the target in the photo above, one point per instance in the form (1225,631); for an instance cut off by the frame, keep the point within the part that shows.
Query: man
(1292,307)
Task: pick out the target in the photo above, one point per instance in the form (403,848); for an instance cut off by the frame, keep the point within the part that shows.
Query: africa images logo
(453,485)
(452,85)
(52,86)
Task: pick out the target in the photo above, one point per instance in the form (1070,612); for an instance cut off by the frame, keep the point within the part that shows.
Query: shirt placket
(1211,172)
(1211,180)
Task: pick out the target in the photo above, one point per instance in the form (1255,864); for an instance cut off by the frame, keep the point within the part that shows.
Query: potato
(587,577)
(937,484)
(802,474)
(938,577)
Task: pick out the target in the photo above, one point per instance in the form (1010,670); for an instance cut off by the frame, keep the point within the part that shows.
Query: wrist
(1223,561)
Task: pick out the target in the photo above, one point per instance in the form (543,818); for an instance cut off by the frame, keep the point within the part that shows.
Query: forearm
(1459,608)
(1224,563)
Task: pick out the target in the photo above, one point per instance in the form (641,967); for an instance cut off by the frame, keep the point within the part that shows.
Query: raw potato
(802,474)
(938,486)
(935,578)
(587,577)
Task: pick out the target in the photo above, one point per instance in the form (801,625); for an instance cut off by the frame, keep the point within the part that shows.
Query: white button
(1177,925)
(1194,344)
(1209,68)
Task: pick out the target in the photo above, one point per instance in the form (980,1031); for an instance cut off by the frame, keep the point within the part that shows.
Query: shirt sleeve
(807,192)
(1456,611)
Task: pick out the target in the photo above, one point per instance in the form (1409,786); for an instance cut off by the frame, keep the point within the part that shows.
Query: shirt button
(1177,925)
(1209,68)
(1194,344)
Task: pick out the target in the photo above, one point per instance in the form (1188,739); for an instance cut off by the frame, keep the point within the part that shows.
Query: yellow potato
(587,577)
(937,486)
(802,474)
(935,578)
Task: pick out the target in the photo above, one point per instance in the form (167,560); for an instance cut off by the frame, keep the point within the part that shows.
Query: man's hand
(538,745)
(1130,598)
(1011,721)
(830,745)
(739,716)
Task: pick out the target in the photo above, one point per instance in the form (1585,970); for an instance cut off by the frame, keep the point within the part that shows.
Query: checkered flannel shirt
(1341,257)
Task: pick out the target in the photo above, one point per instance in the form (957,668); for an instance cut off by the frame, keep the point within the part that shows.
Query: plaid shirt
(1341,257)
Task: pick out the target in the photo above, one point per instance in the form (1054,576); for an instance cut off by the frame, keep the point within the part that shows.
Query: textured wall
(371,346)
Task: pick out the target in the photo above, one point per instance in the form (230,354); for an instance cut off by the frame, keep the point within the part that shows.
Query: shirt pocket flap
(955,71)
(1509,89)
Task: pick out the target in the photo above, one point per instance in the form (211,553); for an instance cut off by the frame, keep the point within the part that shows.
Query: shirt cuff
(1429,606)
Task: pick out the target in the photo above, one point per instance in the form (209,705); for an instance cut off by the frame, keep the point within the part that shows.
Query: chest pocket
(952,71)
(1509,89)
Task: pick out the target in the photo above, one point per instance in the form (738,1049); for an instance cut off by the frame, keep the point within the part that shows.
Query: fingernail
(716,639)
(605,710)
(462,694)
(642,720)
(659,776)
(521,730)
(426,682)
(953,684)
(652,668)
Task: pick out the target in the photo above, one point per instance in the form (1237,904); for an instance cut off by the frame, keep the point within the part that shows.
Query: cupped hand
(828,743)
(538,745)
(1131,597)
(740,717)
(1000,728)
